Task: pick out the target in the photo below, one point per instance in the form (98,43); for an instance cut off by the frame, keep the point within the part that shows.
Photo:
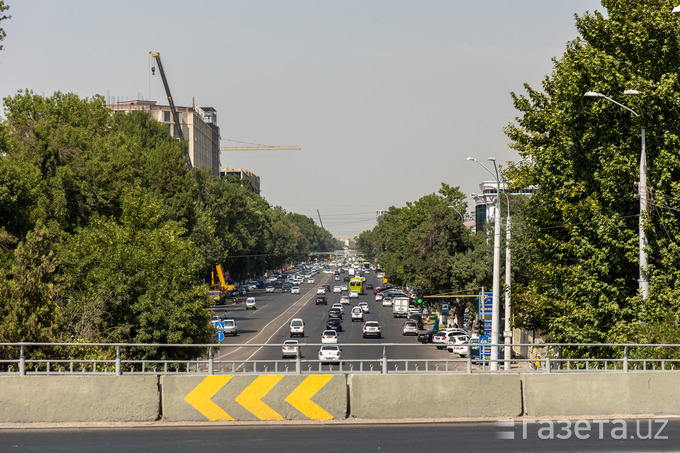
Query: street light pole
(495,307)
(643,281)
(507,332)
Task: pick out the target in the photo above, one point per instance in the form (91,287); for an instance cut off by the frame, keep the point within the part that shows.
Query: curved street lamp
(495,303)
(643,281)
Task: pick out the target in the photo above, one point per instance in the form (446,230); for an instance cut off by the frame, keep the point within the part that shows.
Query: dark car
(321,300)
(369,285)
(335,313)
(285,288)
(417,318)
(426,337)
(327,288)
(334,324)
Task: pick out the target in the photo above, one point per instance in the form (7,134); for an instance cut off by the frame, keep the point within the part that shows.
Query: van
(297,327)
(400,306)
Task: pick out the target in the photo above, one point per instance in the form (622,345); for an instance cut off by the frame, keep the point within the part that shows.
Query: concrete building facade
(485,201)
(241,174)
(199,127)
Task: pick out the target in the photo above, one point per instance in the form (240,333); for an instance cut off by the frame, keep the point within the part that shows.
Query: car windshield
(296,323)
(329,333)
(329,348)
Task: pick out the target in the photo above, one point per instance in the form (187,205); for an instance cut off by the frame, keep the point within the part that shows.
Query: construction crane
(260,148)
(175,118)
(255,147)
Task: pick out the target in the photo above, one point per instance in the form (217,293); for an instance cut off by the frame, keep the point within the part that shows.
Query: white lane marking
(312,292)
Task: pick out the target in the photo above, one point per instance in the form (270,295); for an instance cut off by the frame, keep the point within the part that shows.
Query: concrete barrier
(435,395)
(248,397)
(595,393)
(78,398)
(128,398)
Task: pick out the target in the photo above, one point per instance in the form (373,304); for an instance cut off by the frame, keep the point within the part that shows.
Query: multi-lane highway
(269,325)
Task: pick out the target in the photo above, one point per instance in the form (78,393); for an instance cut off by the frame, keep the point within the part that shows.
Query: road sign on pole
(219,336)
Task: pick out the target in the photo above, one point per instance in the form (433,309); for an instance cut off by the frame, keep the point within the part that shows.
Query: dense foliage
(583,155)
(424,245)
(101,237)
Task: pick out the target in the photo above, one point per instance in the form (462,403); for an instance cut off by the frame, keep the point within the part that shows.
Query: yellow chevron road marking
(200,396)
(301,397)
(251,397)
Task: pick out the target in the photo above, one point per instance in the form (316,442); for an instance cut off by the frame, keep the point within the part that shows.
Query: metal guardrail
(550,360)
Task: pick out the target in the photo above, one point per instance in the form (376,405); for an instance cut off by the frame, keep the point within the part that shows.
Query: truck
(221,290)
(400,306)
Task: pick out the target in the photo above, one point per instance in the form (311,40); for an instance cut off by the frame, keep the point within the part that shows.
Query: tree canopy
(101,237)
(582,155)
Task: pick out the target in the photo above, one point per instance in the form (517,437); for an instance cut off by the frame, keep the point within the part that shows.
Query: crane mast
(175,118)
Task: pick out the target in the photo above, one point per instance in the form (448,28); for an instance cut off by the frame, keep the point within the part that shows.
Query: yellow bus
(357,284)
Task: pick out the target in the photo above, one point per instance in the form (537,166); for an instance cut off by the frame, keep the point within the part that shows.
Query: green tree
(147,288)
(29,311)
(3,33)
(582,155)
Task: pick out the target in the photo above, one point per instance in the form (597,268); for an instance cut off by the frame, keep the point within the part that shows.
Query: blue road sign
(219,336)
(219,325)
(445,308)
(484,351)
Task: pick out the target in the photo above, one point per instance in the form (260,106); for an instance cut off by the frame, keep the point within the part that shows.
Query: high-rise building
(199,127)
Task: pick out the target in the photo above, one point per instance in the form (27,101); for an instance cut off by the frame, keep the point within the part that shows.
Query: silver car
(290,348)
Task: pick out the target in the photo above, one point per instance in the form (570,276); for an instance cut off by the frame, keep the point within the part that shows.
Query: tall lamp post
(495,302)
(643,281)
(507,333)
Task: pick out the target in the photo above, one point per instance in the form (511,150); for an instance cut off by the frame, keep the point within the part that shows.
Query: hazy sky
(387,98)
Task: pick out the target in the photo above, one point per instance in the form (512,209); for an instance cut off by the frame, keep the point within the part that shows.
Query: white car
(230,327)
(379,297)
(344,300)
(290,348)
(441,338)
(269,289)
(364,306)
(459,345)
(329,337)
(344,287)
(380,275)
(372,329)
(357,314)
(310,280)
(410,328)
(250,303)
(321,290)
(339,307)
(337,289)
(329,353)
(295,290)
(354,294)
(297,327)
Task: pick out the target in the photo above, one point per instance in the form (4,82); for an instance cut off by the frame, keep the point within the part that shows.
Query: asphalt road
(269,325)
(352,437)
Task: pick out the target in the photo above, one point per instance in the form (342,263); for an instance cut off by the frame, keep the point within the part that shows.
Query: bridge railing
(378,358)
